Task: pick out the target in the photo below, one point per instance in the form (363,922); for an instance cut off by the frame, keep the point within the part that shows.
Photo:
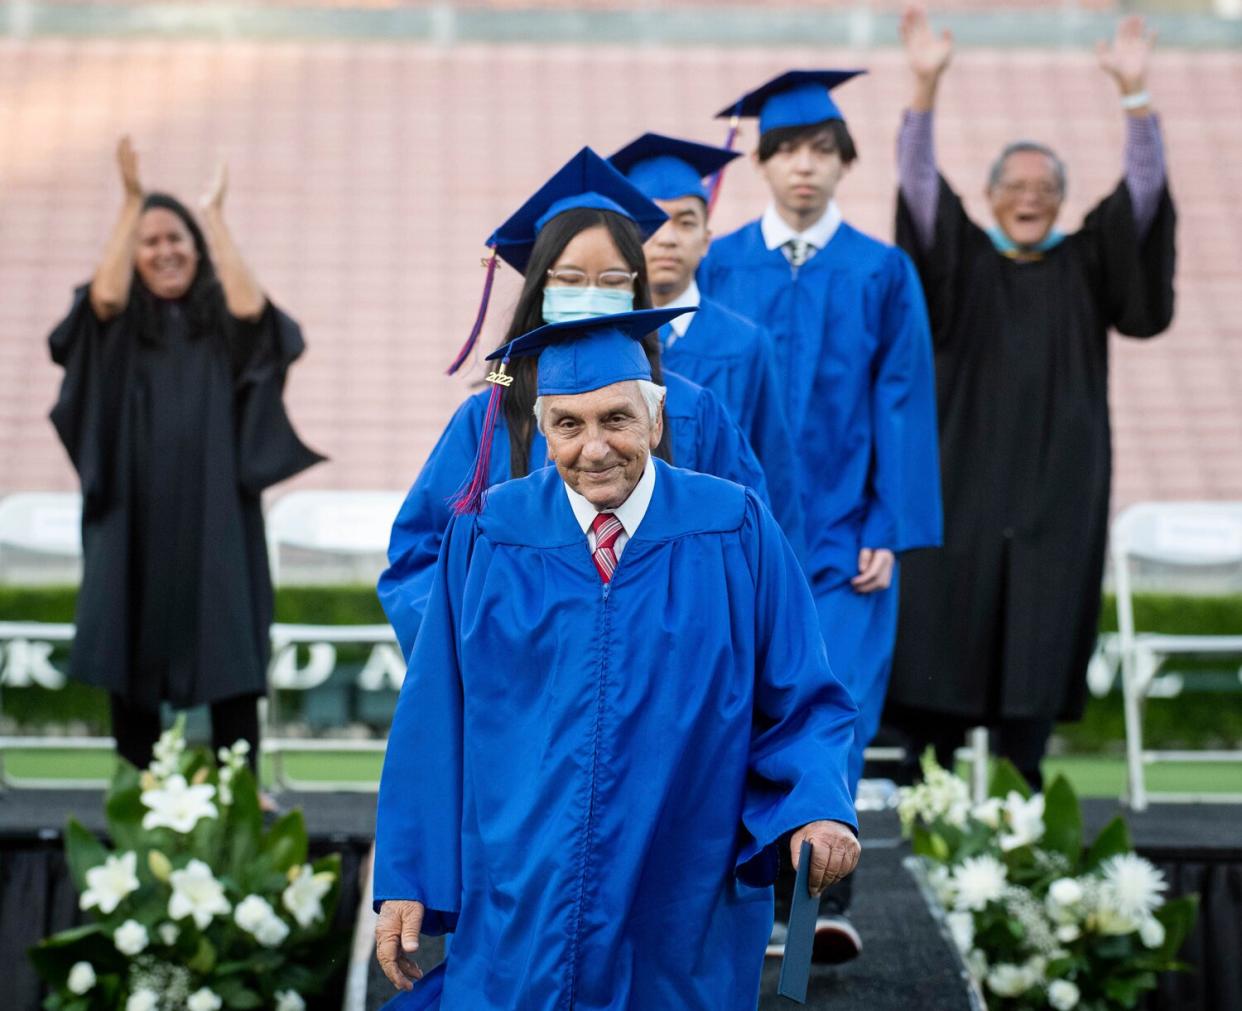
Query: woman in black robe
(171,411)
(997,626)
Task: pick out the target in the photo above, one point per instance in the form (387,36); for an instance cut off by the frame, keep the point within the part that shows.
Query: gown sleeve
(418,530)
(88,413)
(1134,276)
(904,511)
(268,448)
(419,809)
(722,449)
(804,717)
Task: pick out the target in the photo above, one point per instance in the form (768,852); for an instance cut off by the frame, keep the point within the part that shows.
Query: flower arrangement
(197,908)
(1041,920)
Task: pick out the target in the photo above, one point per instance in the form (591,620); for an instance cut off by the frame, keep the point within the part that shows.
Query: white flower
(1133,885)
(203,1000)
(989,812)
(143,1000)
(1151,933)
(1062,994)
(177,805)
(1025,819)
(304,896)
(1006,980)
(110,882)
(287,1000)
(978,881)
(196,893)
(272,932)
(941,884)
(131,938)
(169,932)
(1068,932)
(81,978)
(1065,892)
(962,928)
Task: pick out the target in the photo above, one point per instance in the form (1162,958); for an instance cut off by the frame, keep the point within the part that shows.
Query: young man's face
(675,250)
(803,174)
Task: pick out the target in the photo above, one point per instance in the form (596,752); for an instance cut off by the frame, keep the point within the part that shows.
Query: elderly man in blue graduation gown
(730,355)
(619,705)
(854,354)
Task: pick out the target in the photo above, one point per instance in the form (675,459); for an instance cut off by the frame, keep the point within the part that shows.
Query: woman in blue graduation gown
(587,194)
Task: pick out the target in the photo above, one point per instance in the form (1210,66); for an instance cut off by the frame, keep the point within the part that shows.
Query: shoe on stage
(836,940)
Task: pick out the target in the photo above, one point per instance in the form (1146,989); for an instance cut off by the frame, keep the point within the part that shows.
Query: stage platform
(906,961)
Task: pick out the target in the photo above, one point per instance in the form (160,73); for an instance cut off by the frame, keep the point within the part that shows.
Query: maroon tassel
(718,178)
(469,498)
(466,348)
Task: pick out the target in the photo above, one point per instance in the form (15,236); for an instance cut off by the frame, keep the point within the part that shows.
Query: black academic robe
(1002,620)
(174,437)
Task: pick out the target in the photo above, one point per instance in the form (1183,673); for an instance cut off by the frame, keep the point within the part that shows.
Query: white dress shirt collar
(688,299)
(776,230)
(630,512)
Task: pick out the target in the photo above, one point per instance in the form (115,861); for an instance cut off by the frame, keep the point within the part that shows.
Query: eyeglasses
(572,278)
(1017,188)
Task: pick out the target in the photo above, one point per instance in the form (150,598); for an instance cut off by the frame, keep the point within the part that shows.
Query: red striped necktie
(607,528)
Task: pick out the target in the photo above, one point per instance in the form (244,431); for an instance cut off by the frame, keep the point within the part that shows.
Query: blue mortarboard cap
(581,355)
(666,168)
(586,180)
(795,98)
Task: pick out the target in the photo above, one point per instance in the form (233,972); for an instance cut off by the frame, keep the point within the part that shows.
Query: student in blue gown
(715,347)
(578,241)
(619,707)
(854,356)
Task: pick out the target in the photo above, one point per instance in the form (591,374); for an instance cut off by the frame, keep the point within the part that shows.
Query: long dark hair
(203,301)
(519,401)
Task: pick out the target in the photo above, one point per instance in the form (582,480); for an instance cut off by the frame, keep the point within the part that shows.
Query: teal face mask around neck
(561,305)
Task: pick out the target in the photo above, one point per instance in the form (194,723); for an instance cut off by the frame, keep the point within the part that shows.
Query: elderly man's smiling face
(1026,199)
(600,441)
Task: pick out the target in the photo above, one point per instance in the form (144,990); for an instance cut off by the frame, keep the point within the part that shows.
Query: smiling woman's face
(166,258)
(1026,199)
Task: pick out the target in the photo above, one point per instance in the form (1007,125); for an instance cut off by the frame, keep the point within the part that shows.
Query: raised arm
(928,56)
(242,294)
(1126,59)
(109,291)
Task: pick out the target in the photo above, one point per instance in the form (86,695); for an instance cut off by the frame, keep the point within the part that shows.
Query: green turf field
(1091,776)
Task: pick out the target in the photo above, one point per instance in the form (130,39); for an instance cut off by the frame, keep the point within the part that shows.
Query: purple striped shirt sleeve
(1144,169)
(916,173)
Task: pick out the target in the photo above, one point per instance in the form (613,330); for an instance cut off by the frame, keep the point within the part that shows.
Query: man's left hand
(875,570)
(834,853)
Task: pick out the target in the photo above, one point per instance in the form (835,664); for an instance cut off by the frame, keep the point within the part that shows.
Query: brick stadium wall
(365,176)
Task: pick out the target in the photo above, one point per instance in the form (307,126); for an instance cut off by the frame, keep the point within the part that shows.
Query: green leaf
(83,851)
(286,841)
(927,843)
(1063,821)
(56,955)
(243,1000)
(245,821)
(204,959)
(124,809)
(1113,840)
(1006,777)
(1178,917)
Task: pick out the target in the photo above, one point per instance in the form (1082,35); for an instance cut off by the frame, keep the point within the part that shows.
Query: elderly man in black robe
(997,626)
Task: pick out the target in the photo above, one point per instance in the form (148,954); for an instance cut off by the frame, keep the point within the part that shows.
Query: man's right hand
(396,941)
(927,53)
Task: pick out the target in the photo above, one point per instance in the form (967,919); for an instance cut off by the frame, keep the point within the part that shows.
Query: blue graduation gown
(703,436)
(734,358)
(586,784)
(854,357)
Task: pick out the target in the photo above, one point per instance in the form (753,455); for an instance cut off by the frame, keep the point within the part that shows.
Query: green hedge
(1192,720)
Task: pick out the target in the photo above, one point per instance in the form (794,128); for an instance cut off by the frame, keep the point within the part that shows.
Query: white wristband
(1135,101)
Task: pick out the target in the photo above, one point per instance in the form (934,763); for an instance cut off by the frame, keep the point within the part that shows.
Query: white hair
(653,397)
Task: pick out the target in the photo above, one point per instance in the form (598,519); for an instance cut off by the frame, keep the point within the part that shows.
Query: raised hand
(1126,58)
(927,53)
(127,162)
(213,199)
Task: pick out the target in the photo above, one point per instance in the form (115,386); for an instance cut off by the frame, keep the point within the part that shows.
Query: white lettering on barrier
(385,668)
(27,663)
(284,671)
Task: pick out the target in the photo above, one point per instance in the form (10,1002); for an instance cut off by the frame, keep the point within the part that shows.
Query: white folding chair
(1175,536)
(329,537)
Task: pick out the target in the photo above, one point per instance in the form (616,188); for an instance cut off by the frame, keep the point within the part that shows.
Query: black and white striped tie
(798,251)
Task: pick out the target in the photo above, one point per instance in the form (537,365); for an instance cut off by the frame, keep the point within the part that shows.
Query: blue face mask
(561,305)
